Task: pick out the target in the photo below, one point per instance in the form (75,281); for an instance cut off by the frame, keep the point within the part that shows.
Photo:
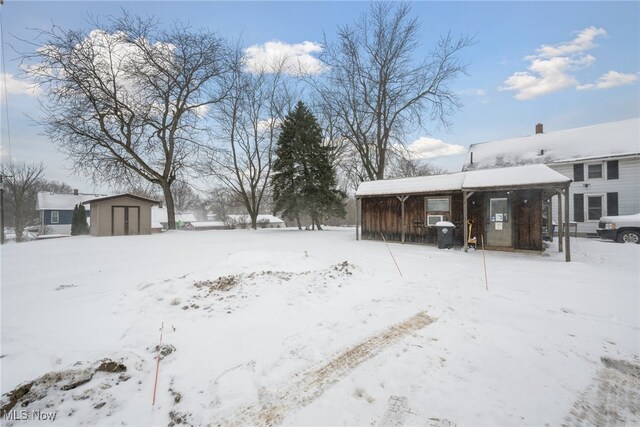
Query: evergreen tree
(304,179)
(74,221)
(83,227)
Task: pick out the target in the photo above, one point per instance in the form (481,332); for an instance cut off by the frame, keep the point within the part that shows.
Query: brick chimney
(75,191)
(539,128)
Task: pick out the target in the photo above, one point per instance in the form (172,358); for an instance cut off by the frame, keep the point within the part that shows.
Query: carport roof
(529,176)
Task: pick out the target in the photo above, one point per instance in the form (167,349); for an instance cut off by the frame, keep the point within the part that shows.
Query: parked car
(623,228)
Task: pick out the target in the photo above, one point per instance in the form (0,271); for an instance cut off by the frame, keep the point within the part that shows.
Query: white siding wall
(627,186)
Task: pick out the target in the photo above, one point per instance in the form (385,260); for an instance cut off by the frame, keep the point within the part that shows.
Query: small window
(55,217)
(437,205)
(578,172)
(498,209)
(594,171)
(612,170)
(594,208)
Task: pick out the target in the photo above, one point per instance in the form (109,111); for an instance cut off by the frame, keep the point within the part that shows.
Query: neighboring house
(263,221)
(602,160)
(56,210)
(160,221)
(504,206)
(121,215)
(204,225)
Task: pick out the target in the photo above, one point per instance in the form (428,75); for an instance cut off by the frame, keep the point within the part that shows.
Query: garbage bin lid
(444,224)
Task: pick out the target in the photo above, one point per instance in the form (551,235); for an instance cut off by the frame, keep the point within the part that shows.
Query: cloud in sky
(609,80)
(17,87)
(431,148)
(295,59)
(584,41)
(552,68)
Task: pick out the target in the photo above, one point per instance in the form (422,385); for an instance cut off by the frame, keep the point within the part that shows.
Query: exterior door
(132,220)
(500,223)
(125,220)
(118,224)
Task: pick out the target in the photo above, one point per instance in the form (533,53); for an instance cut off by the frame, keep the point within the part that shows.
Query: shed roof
(532,176)
(118,196)
(61,201)
(614,139)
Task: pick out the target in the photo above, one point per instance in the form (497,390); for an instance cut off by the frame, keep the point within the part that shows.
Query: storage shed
(505,206)
(121,215)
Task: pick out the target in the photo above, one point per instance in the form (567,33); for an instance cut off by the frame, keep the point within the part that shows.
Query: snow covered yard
(315,328)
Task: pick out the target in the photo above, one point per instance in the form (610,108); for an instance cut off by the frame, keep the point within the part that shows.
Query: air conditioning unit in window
(433,219)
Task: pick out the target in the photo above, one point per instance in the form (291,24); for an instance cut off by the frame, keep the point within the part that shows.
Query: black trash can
(446,231)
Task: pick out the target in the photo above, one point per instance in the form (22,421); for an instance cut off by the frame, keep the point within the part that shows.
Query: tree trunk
(298,221)
(171,210)
(254,220)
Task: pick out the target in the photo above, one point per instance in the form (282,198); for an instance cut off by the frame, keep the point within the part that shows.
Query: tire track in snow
(312,384)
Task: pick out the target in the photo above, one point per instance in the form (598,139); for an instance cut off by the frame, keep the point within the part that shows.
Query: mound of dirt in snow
(221,288)
(54,387)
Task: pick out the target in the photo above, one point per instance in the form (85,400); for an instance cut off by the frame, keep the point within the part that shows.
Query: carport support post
(567,247)
(402,200)
(560,227)
(464,221)
(358,204)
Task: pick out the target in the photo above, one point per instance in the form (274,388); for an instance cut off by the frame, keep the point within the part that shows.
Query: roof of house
(270,218)
(61,201)
(118,196)
(614,139)
(513,177)
(159,216)
(205,224)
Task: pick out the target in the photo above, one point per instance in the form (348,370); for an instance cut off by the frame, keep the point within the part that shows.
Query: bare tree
(375,88)
(248,125)
(126,100)
(21,185)
(185,197)
(406,167)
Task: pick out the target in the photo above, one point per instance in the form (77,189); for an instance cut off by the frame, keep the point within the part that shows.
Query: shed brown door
(125,220)
(499,228)
(117,227)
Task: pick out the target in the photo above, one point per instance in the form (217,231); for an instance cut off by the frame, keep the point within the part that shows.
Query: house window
(578,172)
(55,217)
(498,209)
(594,171)
(612,171)
(594,207)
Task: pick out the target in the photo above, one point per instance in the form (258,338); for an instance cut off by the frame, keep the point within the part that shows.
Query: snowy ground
(315,328)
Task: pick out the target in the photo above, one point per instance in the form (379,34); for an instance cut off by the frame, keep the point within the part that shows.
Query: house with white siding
(602,160)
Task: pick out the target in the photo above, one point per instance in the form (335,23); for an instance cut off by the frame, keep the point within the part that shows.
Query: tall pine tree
(83,227)
(304,179)
(74,221)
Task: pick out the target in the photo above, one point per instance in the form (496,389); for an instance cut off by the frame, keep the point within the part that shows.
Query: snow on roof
(205,224)
(118,196)
(529,175)
(61,201)
(612,139)
(270,218)
(419,184)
